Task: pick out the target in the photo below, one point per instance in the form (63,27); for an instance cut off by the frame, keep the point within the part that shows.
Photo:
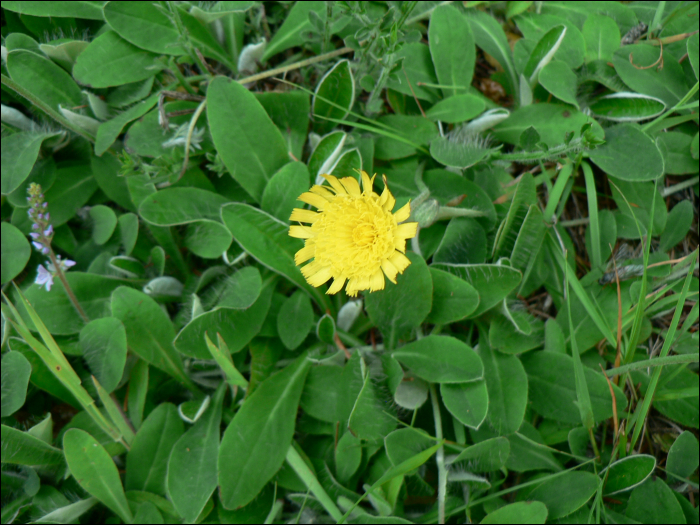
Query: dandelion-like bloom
(354,236)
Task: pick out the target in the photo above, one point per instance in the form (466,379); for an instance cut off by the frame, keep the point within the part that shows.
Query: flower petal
(399,260)
(335,184)
(336,286)
(322,191)
(407,230)
(301,232)
(389,270)
(300,215)
(315,200)
(400,244)
(403,213)
(351,185)
(366,182)
(376,282)
(303,255)
(320,277)
(310,269)
(387,200)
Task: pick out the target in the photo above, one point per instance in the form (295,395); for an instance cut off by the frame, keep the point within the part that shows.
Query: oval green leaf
(15,252)
(441,359)
(250,145)
(95,471)
(256,441)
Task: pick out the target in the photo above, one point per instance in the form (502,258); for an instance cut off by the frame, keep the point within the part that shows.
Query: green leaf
(15,379)
(325,329)
(128,231)
(543,52)
(95,471)
(21,448)
(642,196)
(453,298)
(552,388)
(104,348)
(388,308)
(281,192)
(552,122)
(507,235)
(150,28)
(110,60)
(629,154)
(192,462)
(416,69)
(268,241)
(56,310)
(642,76)
(602,37)
(295,319)
(290,112)
(521,512)
(348,455)
(73,188)
(44,79)
(683,455)
(485,456)
(405,443)
(174,206)
(250,145)
(468,402)
(292,31)
(149,331)
(626,107)
(104,222)
(678,224)
(566,493)
(493,282)
(627,473)
(322,393)
(240,290)
(464,242)
(256,441)
(370,418)
(489,36)
(457,108)
(325,155)
(237,327)
(42,376)
(348,164)
(207,239)
(19,153)
(147,461)
(15,252)
(336,88)
(441,359)
(452,49)
(557,78)
(507,386)
(653,502)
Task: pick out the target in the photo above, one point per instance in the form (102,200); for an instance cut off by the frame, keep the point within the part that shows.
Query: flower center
(354,234)
(364,234)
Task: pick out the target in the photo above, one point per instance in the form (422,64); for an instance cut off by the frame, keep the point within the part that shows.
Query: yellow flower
(353,237)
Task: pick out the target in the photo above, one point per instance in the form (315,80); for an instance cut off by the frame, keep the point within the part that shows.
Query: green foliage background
(516,373)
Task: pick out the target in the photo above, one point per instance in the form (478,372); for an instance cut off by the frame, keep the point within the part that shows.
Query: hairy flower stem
(66,286)
(439,456)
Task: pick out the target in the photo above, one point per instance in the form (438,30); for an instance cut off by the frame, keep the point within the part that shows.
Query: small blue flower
(34,235)
(44,277)
(38,245)
(48,231)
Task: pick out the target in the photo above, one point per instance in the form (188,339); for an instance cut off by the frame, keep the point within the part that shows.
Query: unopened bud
(426,213)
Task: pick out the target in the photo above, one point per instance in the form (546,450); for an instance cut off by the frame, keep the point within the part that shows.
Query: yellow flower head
(353,237)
